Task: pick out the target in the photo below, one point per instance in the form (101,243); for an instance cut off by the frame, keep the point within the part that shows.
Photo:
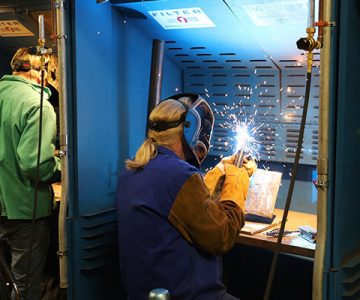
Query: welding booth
(242,57)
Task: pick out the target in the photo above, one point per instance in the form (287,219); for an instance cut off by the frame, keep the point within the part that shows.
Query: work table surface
(292,244)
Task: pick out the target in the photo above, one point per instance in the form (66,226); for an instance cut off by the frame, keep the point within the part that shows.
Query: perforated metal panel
(271,93)
(98,234)
(350,277)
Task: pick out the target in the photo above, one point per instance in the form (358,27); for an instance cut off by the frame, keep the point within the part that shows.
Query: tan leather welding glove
(213,178)
(224,161)
(250,166)
(235,186)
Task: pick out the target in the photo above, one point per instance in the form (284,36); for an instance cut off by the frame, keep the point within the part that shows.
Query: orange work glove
(236,185)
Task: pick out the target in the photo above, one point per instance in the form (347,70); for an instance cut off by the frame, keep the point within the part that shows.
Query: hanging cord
(37,182)
(291,187)
(6,276)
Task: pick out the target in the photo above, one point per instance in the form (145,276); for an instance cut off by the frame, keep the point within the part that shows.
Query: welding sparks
(244,139)
(243,136)
(241,111)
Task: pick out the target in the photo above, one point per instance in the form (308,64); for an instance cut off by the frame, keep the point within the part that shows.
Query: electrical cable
(37,182)
(5,277)
(291,187)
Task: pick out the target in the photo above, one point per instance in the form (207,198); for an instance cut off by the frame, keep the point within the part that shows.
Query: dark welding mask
(198,126)
(198,123)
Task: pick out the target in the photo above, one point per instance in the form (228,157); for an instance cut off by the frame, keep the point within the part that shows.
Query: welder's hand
(212,179)
(215,177)
(250,166)
(224,161)
(236,185)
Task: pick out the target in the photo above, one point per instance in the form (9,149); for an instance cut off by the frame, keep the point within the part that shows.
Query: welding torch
(243,139)
(239,157)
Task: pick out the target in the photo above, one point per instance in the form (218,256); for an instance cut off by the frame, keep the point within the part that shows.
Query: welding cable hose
(7,278)
(291,188)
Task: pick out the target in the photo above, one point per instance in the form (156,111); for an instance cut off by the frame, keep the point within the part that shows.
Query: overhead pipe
(63,101)
(157,62)
(311,17)
(325,9)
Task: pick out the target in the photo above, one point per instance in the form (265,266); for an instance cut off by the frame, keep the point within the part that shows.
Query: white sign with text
(182,18)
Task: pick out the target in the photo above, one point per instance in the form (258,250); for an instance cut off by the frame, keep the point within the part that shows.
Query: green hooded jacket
(19,137)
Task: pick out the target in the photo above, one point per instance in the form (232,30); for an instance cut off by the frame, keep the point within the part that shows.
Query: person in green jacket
(19,139)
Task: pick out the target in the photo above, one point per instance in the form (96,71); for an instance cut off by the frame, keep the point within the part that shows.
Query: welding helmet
(198,120)
(24,61)
(198,126)
(21,61)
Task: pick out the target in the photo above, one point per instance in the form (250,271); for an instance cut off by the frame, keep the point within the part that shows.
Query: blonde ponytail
(143,155)
(168,111)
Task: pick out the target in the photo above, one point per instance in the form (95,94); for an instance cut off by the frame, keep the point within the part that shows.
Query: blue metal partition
(344,249)
(112,71)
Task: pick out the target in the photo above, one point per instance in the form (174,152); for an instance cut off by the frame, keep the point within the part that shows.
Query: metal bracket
(59,4)
(62,253)
(325,24)
(323,184)
(59,36)
(60,153)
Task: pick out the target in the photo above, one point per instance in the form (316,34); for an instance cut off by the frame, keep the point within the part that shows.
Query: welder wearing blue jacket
(172,232)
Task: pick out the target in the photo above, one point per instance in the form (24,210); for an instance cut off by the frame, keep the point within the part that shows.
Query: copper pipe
(320,22)
(53,25)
